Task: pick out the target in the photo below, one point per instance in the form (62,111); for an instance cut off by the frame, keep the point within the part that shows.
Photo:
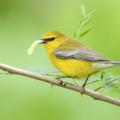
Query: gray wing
(80,52)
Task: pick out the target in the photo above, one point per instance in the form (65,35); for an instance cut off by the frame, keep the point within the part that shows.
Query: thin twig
(58,82)
(94,81)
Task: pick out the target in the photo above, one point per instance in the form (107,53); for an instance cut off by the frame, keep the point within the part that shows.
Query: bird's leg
(84,84)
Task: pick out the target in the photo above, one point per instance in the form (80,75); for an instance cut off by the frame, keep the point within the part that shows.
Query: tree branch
(58,82)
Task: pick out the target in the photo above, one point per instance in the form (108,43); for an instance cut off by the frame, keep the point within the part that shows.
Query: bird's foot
(84,84)
(78,84)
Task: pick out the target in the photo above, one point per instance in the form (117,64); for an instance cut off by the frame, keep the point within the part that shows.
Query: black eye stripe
(49,39)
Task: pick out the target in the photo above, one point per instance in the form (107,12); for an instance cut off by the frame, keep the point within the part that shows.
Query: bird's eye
(50,39)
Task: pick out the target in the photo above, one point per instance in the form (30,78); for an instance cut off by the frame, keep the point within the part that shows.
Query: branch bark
(60,83)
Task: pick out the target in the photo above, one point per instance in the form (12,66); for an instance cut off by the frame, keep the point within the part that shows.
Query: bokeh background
(22,22)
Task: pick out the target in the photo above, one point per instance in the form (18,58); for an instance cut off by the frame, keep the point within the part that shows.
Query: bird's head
(52,39)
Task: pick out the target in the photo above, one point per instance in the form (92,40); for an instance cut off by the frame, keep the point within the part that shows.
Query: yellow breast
(72,67)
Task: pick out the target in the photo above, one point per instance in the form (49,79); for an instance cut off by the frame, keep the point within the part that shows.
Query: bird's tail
(115,62)
(105,64)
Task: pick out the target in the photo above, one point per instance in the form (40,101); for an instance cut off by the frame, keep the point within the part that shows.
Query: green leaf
(84,26)
(111,81)
(85,31)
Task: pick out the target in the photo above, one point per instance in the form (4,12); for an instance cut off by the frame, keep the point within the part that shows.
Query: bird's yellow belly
(72,67)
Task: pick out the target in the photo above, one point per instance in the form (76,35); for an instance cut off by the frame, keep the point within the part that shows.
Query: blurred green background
(22,22)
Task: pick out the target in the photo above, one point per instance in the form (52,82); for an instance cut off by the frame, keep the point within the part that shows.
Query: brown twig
(58,82)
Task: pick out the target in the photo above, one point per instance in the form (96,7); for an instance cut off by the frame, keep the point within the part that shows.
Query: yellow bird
(71,57)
